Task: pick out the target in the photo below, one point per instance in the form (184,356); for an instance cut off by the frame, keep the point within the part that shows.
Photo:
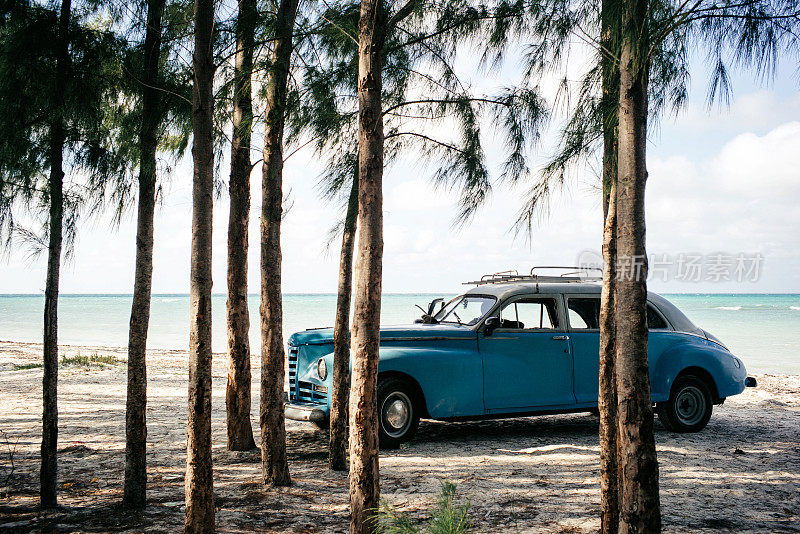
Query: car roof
(505,290)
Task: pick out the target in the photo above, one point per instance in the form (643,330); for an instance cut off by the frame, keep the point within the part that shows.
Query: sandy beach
(742,473)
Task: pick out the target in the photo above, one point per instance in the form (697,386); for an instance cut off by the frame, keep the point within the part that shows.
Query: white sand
(742,473)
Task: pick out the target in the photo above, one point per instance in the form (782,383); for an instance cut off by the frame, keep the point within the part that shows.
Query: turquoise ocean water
(763,330)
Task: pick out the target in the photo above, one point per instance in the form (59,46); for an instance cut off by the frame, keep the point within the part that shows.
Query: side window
(529,313)
(654,320)
(584,312)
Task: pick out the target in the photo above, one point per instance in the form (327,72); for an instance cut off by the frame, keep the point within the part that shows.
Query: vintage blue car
(517,346)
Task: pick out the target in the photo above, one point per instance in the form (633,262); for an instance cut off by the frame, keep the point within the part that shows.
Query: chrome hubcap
(690,405)
(396,413)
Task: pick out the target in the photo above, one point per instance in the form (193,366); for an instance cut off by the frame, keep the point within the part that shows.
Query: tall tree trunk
(237,394)
(607,399)
(199,481)
(135,488)
(48,474)
(364,482)
(639,506)
(273,430)
(337,445)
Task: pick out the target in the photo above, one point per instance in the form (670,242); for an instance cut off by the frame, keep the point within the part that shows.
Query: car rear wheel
(398,416)
(689,406)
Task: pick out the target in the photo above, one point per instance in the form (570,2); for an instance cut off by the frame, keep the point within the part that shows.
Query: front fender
(451,379)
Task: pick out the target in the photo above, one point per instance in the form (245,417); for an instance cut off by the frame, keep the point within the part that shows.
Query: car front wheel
(398,416)
(689,406)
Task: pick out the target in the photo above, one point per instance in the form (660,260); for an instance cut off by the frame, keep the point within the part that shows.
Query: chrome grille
(292,357)
(307,393)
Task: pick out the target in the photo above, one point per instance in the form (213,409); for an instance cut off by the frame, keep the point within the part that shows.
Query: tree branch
(425,137)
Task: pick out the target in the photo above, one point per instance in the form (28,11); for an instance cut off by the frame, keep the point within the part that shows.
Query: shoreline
(387,293)
(29,349)
(28,355)
(760,330)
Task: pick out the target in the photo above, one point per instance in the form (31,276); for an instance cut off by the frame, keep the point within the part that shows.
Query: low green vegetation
(448,517)
(23,366)
(79,359)
(92,359)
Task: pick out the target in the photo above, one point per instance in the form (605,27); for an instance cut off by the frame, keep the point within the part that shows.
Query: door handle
(561,338)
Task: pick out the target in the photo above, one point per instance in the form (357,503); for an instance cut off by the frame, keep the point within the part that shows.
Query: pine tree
(337,444)
(135,486)
(273,430)
(152,119)
(58,86)
(326,113)
(237,394)
(199,478)
(658,37)
(48,477)
(364,485)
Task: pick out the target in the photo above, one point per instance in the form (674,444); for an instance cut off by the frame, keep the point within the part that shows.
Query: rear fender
(720,366)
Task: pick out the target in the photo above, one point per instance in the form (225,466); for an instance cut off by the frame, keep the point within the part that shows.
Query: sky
(723,191)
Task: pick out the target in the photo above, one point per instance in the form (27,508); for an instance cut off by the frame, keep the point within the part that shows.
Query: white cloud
(741,199)
(754,111)
(769,161)
(414,195)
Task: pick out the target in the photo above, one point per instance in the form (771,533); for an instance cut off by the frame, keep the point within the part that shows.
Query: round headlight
(322,369)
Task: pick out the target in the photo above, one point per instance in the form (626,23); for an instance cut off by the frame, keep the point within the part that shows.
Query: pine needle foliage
(748,34)
(449,517)
(175,93)
(431,113)
(27,67)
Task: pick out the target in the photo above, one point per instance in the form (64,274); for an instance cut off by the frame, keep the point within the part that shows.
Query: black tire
(398,412)
(325,424)
(689,406)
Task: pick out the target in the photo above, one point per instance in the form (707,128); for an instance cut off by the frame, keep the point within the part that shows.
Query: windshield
(466,310)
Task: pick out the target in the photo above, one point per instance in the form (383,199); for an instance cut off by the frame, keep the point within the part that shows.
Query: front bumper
(314,413)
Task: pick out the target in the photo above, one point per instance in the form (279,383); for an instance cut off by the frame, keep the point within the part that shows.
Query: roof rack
(571,274)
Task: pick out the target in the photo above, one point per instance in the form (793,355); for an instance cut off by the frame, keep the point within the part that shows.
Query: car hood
(320,336)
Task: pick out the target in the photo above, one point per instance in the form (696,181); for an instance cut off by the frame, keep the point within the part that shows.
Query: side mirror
(490,324)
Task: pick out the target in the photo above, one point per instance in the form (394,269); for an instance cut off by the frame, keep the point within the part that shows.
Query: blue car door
(527,363)
(583,314)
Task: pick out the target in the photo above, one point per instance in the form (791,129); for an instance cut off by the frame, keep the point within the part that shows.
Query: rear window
(584,314)
(654,320)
